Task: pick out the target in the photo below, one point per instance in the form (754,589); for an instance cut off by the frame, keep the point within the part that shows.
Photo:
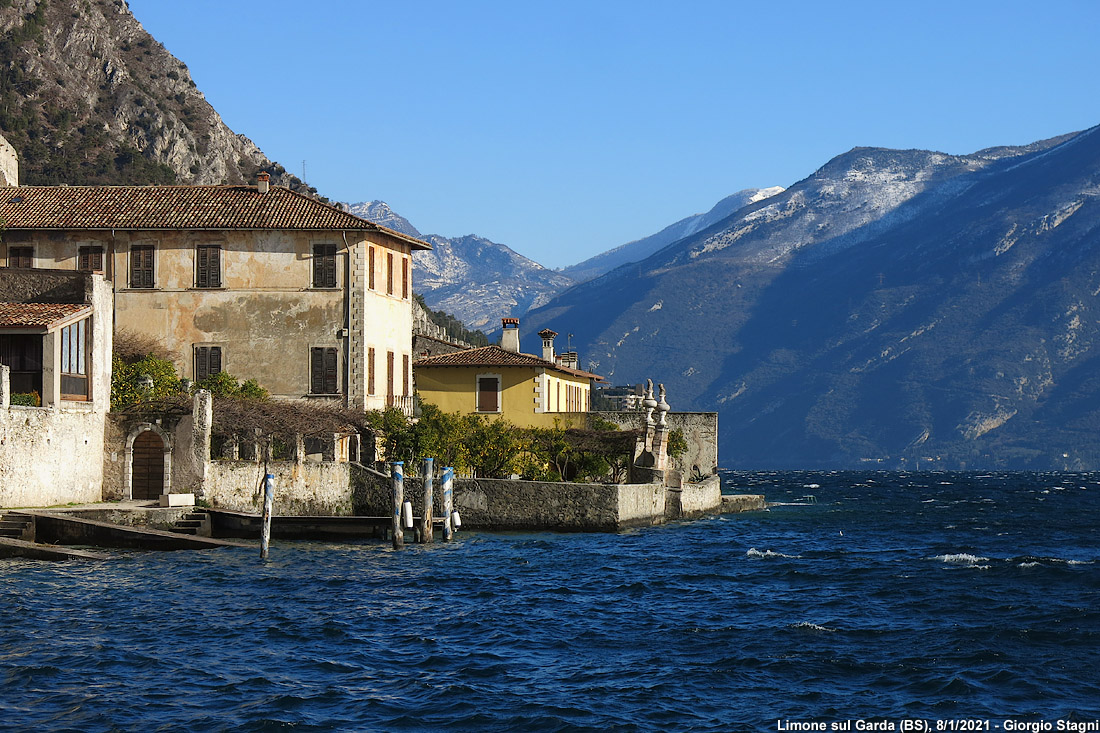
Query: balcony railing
(405,403)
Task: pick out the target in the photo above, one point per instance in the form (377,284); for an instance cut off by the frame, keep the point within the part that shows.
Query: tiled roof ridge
(289,209)
(469,357)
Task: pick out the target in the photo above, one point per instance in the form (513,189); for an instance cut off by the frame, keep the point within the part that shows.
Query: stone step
(14,534)
(13,524)
(184,530)
(188,523)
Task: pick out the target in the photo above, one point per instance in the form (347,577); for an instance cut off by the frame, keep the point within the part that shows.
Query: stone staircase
(16,526)
(196,522)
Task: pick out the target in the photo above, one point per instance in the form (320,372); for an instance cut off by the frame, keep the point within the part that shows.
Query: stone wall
(50,456)
(700,498)
(700,430)
(43,286)
(301,489)
(502,504)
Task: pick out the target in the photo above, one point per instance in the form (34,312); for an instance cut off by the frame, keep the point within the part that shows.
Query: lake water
(897,597)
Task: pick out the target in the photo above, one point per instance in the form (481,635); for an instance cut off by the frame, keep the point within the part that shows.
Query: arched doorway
(147,476)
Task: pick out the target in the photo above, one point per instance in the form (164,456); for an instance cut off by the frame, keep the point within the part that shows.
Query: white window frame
(500,393)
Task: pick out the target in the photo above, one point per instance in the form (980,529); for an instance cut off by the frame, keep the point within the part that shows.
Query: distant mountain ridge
(894,308)
(639,249)
(471,277)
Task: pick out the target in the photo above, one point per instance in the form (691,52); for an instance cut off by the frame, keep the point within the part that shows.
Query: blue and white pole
(397,471)
(269,504)
(448,502)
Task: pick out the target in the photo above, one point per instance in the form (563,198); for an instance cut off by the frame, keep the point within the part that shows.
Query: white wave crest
(812,627)
(961,558)
(767,554)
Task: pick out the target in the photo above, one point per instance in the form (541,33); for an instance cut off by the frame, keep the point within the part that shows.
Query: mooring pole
(269,503)
(448,502)
(429,501)
(397,471)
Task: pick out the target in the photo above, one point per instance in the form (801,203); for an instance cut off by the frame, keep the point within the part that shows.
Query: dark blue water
(915,596)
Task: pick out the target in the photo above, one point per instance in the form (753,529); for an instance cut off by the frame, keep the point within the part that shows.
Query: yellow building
(258,281)
(500,381)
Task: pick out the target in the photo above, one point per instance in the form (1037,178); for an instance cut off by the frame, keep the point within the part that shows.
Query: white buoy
(407,513)
(456,520)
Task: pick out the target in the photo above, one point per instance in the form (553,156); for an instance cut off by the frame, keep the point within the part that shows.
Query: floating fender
(456,520)
(407,514)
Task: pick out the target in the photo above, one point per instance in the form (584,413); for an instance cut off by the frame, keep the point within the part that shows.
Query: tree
(126,387)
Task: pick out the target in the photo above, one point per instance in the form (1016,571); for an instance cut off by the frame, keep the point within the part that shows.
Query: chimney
(568,359)
(548,343)
(263,179)
(509,337)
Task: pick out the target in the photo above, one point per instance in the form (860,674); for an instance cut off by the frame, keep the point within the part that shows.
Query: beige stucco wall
(524,392)
(266,316)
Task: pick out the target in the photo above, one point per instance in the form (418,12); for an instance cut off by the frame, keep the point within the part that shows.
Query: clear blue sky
(564,128)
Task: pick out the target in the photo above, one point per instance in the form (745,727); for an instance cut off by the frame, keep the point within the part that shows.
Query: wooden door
(148,466)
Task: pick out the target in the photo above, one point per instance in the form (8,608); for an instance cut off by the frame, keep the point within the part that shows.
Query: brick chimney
(509,336)
(548,343)
(263,179)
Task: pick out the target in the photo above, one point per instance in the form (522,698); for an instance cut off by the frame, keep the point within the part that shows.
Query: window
(22,353)
(370,266)
(74,361)
(389,374)
(322,371)
(208,360)
(20,256)
(405,373)
(90,259)
(370,370)
(324,265)
(405,278)
(208,266)
(389,273)
(141,266)
(488,393)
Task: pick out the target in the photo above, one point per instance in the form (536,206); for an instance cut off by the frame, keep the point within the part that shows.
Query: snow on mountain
(639,249)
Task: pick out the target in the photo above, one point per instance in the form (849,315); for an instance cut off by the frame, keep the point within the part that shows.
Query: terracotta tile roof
(494,356)
(176,207)
(39,315)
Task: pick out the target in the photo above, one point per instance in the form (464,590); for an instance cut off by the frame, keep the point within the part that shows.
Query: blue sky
(563,129)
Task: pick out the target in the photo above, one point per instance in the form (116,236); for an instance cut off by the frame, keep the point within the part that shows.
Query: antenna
(303,171)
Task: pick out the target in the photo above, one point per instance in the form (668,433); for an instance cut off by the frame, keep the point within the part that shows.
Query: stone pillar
(356,345)
(5,387)
(202,421)
(51,365)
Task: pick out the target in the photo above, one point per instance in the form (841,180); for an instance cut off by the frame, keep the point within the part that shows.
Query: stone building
(55,386)
(525,389)
(259,281)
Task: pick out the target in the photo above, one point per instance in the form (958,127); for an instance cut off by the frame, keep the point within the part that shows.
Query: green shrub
(27,399)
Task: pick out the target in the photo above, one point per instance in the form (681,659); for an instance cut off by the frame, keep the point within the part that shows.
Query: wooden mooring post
(426,518)
(397,469)
(448,502)
(269,504)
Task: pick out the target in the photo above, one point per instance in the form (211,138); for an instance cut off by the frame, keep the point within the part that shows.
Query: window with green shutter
(208,266)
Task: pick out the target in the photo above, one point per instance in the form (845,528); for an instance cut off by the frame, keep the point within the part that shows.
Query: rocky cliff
(89,97)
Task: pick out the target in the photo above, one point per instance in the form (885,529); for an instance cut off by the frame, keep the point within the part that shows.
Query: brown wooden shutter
(202,357)
(389,374)
(90,259)
(141,266)
(324,265)
(208,266)
(370,266)
(330,371)
(20,256)
(215,359)
(404,277)
(389,273)
(316,371)
(487,394)
(405,373)
(370,370)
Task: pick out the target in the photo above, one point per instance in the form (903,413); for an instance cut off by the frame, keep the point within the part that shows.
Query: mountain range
(898,308)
